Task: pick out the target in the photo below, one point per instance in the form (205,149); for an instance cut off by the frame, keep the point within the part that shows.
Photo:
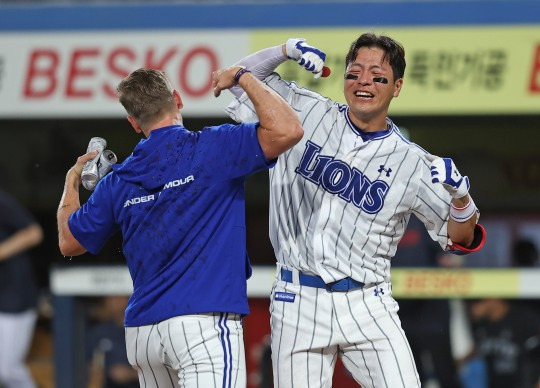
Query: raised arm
(68,244)
(264,62)
(279,128)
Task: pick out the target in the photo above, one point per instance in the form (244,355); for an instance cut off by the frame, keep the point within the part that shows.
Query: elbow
(69,246)
(290,138)
(295,134)
(64,250)
(299,132)
(466,241)
(275,140)
(67,249)
(68,252)
(467,246)
(463,238)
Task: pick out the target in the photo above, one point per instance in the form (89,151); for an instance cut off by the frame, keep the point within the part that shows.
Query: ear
(178,99)
(134,124)
(397,86)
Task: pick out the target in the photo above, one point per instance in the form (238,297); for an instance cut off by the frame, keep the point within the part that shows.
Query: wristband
(462,214)
(239,74)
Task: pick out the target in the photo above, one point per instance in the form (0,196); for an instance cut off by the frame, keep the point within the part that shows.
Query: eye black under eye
(354,77)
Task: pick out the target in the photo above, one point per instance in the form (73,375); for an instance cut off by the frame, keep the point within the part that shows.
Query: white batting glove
(444,171)
(309,57)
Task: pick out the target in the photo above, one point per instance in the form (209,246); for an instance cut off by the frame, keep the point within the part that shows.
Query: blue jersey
(179,202)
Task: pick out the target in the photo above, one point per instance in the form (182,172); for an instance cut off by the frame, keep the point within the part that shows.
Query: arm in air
(279,128)
(264,62)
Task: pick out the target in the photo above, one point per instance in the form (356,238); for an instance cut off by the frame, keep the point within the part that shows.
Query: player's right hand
(310,58)
(76,170)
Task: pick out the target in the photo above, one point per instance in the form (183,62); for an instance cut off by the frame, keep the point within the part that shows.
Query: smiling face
(369,100)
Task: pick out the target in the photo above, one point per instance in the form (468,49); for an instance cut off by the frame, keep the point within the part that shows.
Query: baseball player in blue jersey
(178,201)
(340,201)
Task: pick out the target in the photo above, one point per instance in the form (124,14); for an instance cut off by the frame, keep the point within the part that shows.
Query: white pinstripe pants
(200,350)
(360,326)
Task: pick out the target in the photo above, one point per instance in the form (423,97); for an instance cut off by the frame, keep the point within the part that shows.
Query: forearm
(462,224)
(21,241)
(69,203)
(281,128)
(462,233)
(261,64)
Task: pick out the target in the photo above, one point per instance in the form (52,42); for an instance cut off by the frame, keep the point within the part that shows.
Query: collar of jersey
(370,135)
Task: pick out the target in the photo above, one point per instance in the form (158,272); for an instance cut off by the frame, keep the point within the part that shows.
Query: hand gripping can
(90,172)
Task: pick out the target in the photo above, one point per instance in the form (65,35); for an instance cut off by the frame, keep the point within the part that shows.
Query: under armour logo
(378,292)
(386,170)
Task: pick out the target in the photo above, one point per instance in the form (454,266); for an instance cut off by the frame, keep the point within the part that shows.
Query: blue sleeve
(93,224)
(233,150)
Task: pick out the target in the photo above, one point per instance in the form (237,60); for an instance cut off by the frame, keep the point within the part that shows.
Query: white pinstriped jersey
(340,199)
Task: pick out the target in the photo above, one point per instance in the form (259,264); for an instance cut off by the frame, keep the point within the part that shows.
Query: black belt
(346,284)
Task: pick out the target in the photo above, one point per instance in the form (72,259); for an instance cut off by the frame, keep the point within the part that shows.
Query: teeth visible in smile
(364,94)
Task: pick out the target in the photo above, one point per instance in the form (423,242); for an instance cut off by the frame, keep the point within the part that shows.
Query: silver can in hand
(90,172)
(107,159)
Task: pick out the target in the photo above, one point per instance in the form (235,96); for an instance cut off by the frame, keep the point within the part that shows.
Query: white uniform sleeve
(300,99)
(261,64)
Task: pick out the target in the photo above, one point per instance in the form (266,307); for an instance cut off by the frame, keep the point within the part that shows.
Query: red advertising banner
(76,74)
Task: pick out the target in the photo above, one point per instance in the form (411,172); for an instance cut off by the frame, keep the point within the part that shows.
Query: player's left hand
(310,58)
(444,171)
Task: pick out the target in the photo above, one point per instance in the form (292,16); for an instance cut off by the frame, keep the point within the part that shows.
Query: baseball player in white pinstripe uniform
(340,201)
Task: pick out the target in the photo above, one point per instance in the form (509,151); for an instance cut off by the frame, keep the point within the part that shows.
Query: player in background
(19,232)
(178,201)
(108,365)
(340,201)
